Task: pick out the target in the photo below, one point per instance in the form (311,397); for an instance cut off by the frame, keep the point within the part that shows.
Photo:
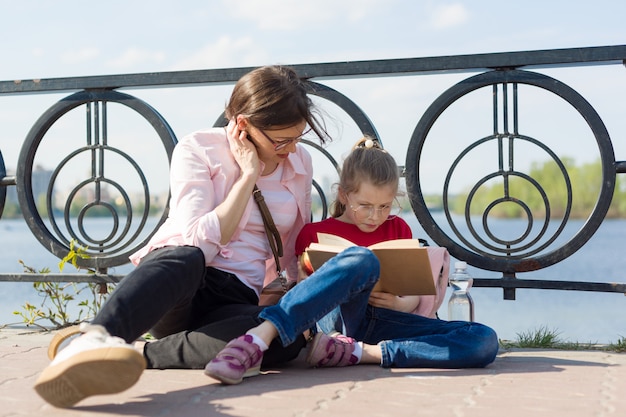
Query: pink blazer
(202,172)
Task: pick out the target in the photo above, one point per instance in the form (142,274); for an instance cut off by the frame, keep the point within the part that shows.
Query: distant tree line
(12,209)
(586,182)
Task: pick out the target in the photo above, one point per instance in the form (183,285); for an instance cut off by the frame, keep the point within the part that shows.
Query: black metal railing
(504,76)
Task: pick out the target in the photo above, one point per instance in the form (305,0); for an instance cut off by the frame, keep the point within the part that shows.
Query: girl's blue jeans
(348,276)
(406,340)
(195,311)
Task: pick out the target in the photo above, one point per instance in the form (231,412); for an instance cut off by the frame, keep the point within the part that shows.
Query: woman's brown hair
(275,97)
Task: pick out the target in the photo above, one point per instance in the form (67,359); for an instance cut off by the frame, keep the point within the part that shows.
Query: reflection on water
(578,316)
(19,244)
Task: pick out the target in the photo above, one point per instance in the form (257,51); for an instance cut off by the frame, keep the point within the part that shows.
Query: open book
(404,265)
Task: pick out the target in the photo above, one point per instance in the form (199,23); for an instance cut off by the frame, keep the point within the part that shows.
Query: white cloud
(225,52)
(134,57)
(38,52)
(80,55)
(290,14)
(449,16)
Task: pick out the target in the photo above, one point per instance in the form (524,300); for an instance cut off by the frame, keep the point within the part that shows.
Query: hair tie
(369,143)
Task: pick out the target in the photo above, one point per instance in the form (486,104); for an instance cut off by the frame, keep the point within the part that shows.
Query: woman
(207,263)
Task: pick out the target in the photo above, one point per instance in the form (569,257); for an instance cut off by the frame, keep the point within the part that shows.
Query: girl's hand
(242,148)
(405,304)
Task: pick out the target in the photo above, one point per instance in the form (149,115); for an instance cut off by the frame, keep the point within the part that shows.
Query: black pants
(193,310)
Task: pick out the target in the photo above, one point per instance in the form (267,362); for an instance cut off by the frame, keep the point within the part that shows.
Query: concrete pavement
(519,383)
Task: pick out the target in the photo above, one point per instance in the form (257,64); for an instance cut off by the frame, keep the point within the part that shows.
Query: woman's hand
(242,148)
(405,304)
(230,211)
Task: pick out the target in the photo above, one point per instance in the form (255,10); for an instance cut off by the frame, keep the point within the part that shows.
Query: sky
(43,39)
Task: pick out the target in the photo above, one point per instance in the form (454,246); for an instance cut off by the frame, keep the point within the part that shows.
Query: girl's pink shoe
(335,350)
(239,359)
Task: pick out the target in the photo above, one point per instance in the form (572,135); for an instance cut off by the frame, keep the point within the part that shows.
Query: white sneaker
(63,337)
(93,364)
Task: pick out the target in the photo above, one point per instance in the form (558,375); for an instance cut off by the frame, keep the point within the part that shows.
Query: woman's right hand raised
(243,149)
(230,211)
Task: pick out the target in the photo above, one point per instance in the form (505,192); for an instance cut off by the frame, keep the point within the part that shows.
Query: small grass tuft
(544,338)
(538,338)
(619,346)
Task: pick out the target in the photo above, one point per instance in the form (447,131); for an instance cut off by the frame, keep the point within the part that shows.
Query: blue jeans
(350,275)
(411,341)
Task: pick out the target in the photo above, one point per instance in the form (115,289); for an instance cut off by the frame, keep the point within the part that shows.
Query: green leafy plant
(73,255)
(59,298)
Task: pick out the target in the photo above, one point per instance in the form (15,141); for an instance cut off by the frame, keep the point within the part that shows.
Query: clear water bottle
(460,304)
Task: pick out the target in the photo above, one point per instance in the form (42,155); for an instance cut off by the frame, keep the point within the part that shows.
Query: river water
(577,316)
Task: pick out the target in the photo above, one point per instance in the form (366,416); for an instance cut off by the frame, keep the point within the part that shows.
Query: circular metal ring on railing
(116,246)
(345,104)
(502,254)
(113,243)
(3,189)
(507,247)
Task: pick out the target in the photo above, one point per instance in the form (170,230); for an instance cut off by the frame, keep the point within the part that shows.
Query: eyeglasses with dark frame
(278,145)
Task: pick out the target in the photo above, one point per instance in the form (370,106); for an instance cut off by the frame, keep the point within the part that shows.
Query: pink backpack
(440,263)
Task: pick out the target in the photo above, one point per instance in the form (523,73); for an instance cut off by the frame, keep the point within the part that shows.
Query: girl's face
(369,207)
(275,145)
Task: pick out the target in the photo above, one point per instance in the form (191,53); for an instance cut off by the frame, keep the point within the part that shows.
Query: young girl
(389,335)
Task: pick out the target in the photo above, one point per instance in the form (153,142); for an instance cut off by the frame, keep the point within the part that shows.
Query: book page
(397,243)
(322,247)
(328,239)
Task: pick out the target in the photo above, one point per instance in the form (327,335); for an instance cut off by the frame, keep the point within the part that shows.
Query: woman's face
(369,207)
(275,145)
